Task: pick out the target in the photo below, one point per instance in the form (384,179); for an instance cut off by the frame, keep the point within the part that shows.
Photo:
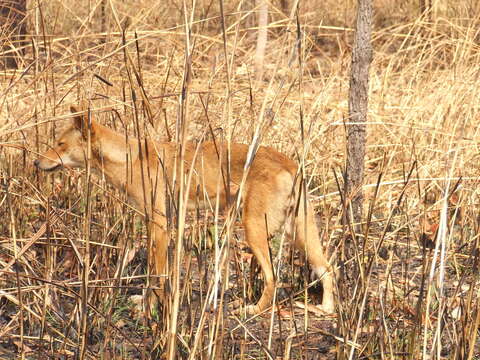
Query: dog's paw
(237,309)
(327,309)
(251,310)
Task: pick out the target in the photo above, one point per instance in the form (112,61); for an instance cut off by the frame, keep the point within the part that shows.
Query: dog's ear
(80,121)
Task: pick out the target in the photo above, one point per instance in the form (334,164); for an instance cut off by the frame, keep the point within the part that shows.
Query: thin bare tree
(358,106)
(12,30)
(262,35)
(284,6)
(425,6)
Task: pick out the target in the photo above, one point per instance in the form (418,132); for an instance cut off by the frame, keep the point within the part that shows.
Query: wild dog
(145,170)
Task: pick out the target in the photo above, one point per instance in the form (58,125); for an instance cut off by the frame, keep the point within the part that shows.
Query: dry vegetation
(407,288)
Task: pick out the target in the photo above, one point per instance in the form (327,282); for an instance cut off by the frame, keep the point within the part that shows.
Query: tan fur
(270,192)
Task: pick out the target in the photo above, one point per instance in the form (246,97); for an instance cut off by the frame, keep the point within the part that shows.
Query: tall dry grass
(73,274)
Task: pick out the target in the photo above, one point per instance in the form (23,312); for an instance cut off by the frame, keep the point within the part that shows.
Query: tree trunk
(358,106)
(426,9)
(262,21)
(12,30)
(424,6)
(285,6)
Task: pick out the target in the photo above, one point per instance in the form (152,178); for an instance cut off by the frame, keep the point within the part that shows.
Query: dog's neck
(111,152)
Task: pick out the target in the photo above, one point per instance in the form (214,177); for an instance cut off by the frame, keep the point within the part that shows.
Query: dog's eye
(61,143)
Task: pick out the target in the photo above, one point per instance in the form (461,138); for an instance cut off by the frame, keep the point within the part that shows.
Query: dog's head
(70,149)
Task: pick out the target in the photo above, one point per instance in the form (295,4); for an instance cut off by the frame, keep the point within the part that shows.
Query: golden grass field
(406,289)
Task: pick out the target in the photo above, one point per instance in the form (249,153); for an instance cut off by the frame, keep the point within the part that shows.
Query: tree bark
(284,6)
(262,34)
(426,9)
(424,6)
(12,30)
(358,107)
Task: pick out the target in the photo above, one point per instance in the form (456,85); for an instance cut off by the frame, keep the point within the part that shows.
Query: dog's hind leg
(308,241)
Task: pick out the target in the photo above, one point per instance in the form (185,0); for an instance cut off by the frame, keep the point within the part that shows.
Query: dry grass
(407,289)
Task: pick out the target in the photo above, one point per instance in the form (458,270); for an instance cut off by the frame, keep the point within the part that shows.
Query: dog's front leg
(159,253)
